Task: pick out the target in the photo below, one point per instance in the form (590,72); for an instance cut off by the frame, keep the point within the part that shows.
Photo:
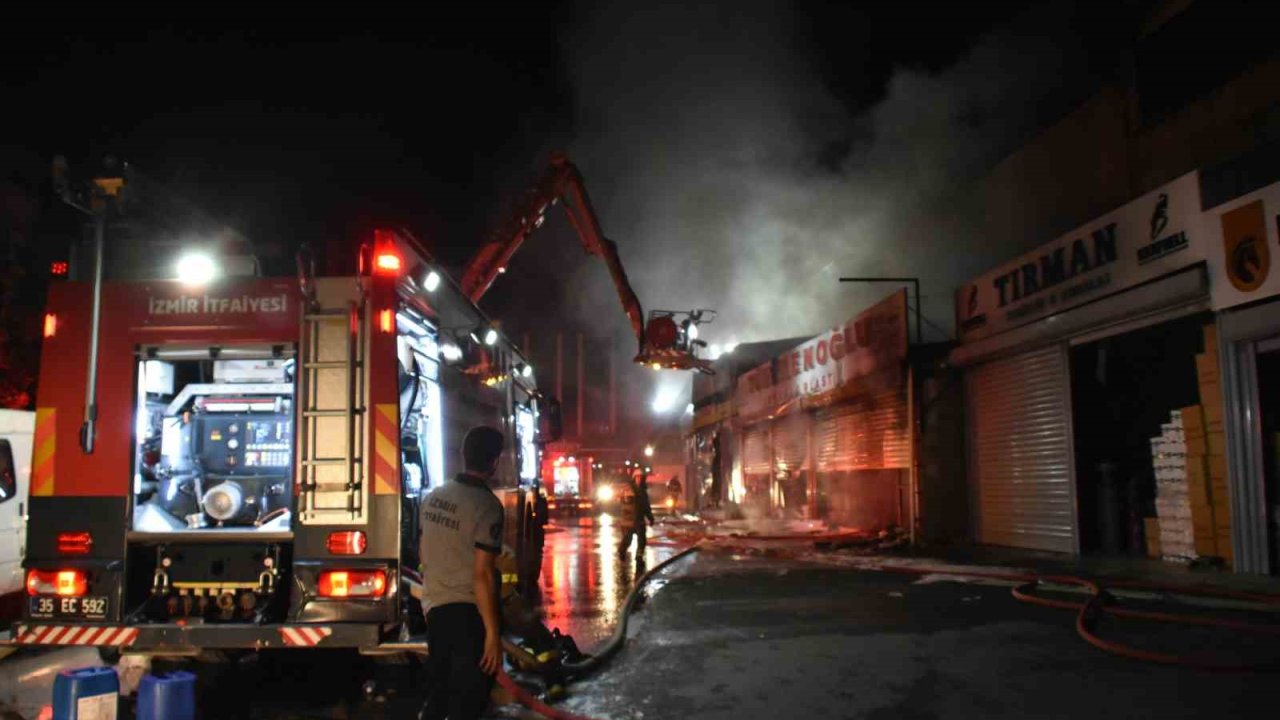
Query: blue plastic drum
(86,694)
(168,696)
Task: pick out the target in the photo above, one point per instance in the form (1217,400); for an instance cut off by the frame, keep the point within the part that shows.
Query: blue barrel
(167,696)
(86,694)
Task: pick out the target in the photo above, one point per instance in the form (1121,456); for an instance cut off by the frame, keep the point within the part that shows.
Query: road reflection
(585,580)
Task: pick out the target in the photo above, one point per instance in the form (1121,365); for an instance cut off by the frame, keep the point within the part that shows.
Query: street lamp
(648,451)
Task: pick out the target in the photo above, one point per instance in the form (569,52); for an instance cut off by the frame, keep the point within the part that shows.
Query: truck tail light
(353,583)
(74,543)
(386,263)
(68,583)
(348,542)
(386,321)
(50,325)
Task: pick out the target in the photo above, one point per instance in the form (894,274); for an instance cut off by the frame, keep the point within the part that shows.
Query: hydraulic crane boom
(662,343)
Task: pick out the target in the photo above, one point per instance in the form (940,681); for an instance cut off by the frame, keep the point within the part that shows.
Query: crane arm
(662,343)
(562,182)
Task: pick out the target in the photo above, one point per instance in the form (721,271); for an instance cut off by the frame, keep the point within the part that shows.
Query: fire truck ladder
(331,472)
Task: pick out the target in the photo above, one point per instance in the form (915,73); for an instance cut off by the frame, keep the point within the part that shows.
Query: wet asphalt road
(585,580)
(747,634)
(736,635)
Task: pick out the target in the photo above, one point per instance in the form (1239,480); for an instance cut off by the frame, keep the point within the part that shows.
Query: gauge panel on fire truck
(238,442)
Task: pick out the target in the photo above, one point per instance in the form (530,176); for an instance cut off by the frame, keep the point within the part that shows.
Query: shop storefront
(1243,245)
(706,465)
(710,441)
(1075,356)
(824,430)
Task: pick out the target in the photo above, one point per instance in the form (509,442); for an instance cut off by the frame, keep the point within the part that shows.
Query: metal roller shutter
(755,450)
(1020,450)
(830,427)
(790,441)
(870,433)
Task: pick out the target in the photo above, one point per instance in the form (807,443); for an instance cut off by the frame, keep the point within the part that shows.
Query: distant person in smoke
(716,475)
(635,513)
(794,492)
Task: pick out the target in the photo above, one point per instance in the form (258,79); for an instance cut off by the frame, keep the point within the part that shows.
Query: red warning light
(387,263)
(59,268)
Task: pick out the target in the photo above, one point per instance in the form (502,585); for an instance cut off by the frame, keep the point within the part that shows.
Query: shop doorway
(1269,409)
(1123,389)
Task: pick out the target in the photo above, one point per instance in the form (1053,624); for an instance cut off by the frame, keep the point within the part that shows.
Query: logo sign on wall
(1143,240)
(1244,246)
(1244,234)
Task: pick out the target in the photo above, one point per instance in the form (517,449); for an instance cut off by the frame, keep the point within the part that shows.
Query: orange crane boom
(662,343)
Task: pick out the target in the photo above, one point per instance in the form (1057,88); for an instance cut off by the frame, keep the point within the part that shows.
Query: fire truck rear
(253,473)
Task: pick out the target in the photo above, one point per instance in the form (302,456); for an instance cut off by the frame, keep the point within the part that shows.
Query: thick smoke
(733,178)
(703,130)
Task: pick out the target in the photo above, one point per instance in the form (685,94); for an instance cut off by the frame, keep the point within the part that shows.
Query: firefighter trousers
(641,531)
(459,689)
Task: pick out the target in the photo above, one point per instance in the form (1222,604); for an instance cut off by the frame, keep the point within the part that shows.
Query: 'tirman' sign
(1152,236)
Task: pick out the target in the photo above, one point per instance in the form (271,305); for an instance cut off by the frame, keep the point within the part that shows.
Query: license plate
(81,607)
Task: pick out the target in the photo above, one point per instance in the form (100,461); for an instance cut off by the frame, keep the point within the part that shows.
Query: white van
(16,432)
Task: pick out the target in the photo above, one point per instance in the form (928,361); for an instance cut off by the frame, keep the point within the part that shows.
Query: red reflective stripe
(87,637)
(304,636)
(52,637)
(70,635)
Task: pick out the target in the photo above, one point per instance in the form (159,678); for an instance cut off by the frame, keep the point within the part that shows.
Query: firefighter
(635,512)
(550,648)
(461,540)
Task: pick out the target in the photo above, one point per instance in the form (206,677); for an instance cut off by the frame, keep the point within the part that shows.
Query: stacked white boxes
(1173,501)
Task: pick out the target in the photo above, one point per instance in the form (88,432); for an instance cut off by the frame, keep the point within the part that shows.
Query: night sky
(735,151)
(292,126)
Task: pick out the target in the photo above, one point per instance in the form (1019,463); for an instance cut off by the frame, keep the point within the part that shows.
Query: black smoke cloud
(734,172)
(706,134)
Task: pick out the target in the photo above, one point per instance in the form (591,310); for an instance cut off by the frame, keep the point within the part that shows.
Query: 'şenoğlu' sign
(1149,237)
(872,341)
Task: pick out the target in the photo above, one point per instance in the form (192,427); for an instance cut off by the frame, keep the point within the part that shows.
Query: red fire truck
(259,451)
(238,464)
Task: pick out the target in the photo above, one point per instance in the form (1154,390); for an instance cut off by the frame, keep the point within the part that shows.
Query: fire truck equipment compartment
(214,455)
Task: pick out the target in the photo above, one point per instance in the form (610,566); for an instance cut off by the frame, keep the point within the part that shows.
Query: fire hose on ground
(1088,613)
